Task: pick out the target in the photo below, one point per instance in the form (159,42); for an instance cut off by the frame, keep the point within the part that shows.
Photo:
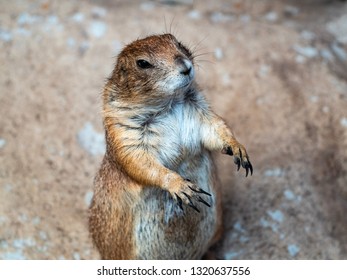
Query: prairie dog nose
(185,66)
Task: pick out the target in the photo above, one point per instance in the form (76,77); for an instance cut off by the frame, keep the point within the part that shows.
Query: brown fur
(159,131)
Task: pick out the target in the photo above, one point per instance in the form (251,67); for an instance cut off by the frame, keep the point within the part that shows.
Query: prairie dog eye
(144,64)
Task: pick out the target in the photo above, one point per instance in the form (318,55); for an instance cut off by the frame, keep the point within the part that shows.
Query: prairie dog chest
(174,134)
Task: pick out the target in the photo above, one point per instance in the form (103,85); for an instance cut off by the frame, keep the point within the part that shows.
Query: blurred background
(276,71)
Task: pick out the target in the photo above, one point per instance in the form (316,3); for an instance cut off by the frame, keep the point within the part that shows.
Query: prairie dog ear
(120,71)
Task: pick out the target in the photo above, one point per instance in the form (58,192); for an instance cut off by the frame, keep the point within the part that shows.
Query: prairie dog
(156,195)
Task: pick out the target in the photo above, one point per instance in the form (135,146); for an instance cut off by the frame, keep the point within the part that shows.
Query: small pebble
(289,195)
(309,52)
(76,256)
(78,17)
(339,51)
(344,122)
(293,250)
(97,29)
(2,143)
(276,215)
(90,140)
(271,16)
(327,55)
(218,17)
(338,28)
(147,6)
(276,172)
(307,35)
(218,53)
(5,36)
(88,198)
(194,14)
(26,18)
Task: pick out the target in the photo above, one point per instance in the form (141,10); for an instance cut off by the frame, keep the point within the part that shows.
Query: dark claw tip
(203,192)
(194,207)
(204,202)
(246,171)
(179,200)
(251,168)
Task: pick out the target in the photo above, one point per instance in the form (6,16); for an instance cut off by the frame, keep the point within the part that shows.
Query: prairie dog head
(157,66)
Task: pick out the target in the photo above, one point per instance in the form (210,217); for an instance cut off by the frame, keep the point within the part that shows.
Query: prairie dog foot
(186,192)
(241,158)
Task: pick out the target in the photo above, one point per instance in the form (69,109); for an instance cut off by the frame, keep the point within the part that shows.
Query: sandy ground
(275,70)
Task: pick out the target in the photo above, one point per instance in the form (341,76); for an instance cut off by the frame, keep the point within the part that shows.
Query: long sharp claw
(250,168)
(246,171)
(203,201)
(194,207)
(203,192)
(199,190)
(191,203)
(179,200)
(238,164)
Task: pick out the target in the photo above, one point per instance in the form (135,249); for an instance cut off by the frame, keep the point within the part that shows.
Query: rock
(43,235)
(23,243)
(289,195)
(327,55)
(2,143)
(177,2)
(218,53)
(78,17)
(307,35)
(8,188)
(293,250)
(147,6)
(17,255)
(291,11)
(231,255)
(22,32)
(26,18)
(314,98)
(276,215)
(194,14)
(218,17)
(309,52)
(97,29)
(3,219)
(338,28)
(276,172)
(76,256)
(264,70)
(344,122)
(300,59)
(88,198)
(271,16)
(5,36)
(339,52)
(91,141)
(238,227)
